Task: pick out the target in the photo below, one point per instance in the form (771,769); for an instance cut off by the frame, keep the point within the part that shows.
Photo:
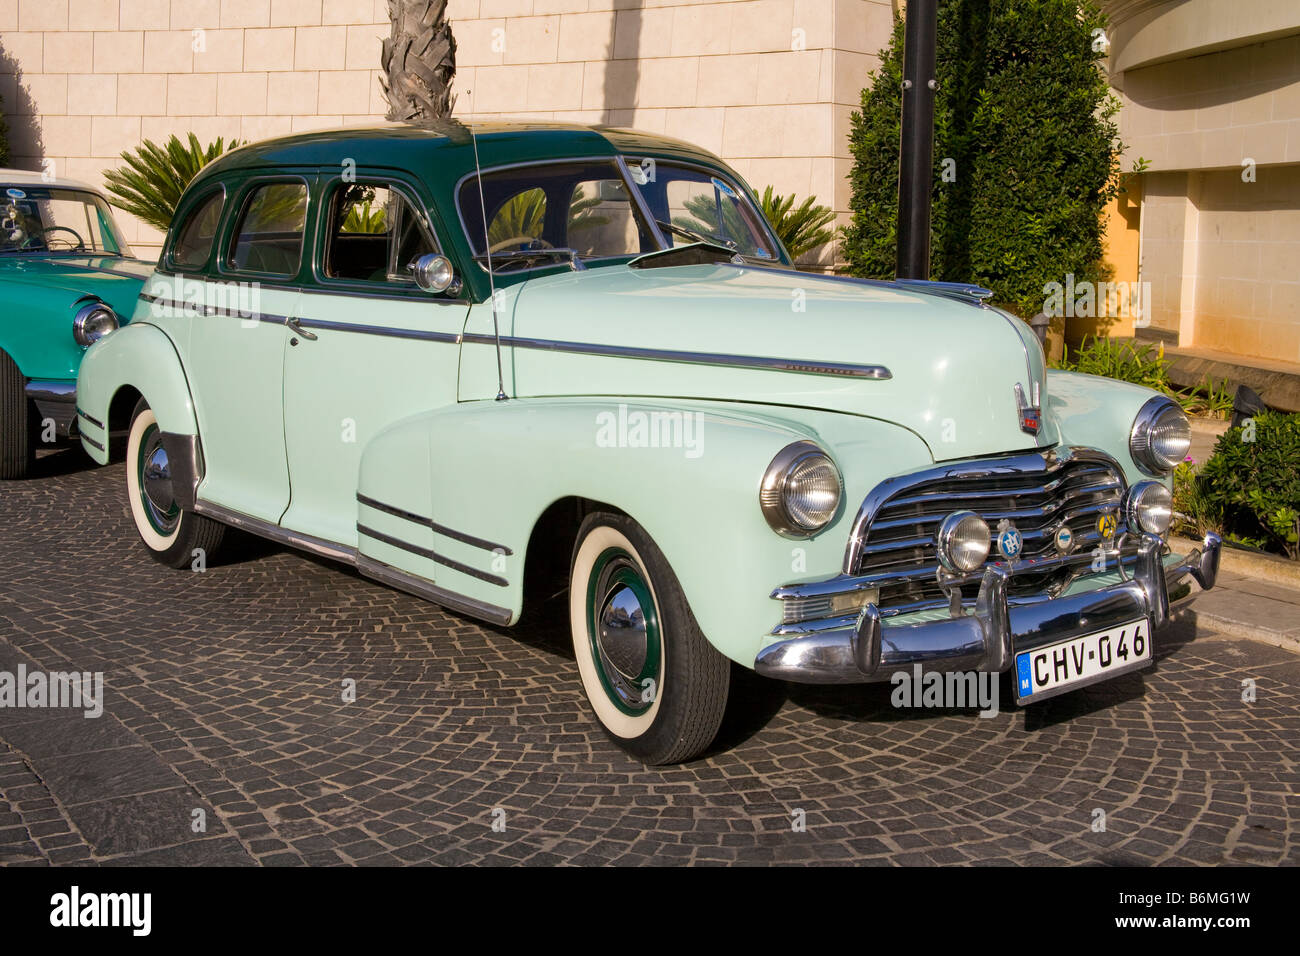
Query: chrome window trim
(1037,462)
(223,262)
(321,236)
(173,234)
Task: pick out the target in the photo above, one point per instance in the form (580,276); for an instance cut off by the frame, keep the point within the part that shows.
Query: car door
(237,342)
(367,347)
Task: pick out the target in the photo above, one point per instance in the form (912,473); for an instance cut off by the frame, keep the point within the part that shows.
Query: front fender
(495,467)
(139,356)
(1097,412)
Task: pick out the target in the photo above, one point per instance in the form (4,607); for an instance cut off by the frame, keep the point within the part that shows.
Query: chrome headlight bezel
(945,537)
(1141,444)
(82,332)
(775,488)
(1139,497)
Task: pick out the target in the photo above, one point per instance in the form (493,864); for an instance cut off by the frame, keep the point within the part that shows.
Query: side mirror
(434,273)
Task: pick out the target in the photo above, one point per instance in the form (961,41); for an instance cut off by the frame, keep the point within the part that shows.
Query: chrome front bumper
(867,650)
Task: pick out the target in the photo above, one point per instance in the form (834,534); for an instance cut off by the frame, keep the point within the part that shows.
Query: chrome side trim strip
(431,555)
(209,311)
(387,574)
(273,532)
(91,441)
(838,369)
(92,421)
(451,338)
(430,523)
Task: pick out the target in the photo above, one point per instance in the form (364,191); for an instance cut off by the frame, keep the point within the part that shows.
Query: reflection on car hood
(953,365)
(114,279)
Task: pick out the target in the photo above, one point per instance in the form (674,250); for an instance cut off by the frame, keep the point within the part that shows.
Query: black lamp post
(916,149)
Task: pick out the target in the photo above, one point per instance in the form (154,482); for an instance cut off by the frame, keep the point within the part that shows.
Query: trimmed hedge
(1252,482)
(1024,128)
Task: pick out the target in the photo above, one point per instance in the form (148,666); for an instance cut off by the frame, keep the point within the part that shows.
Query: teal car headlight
(92,322)
(1161,436)
(801,490)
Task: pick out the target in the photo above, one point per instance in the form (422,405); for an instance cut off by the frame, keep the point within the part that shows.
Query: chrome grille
(894,536)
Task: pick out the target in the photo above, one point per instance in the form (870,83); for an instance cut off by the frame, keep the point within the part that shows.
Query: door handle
(295,327)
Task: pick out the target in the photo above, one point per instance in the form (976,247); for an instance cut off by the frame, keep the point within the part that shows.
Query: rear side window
(194,238)
(268,238)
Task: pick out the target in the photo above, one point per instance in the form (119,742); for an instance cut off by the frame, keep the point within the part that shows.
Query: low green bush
(1253,482)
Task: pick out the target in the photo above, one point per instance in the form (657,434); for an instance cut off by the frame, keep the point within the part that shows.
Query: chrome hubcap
(622,632)
(156,491)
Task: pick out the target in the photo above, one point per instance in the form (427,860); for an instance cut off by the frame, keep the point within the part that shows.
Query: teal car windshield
(45,220)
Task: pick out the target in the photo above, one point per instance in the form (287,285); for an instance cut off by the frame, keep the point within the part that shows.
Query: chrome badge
(1010,542)
(1064,539)
(1106,526)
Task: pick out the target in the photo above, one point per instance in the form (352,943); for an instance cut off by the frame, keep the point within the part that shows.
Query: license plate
(1056,668)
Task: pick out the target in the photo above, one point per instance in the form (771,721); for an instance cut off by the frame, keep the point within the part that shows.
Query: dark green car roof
(443,153)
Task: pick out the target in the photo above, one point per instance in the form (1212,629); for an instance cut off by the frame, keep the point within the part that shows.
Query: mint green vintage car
(66,278)
(486,364)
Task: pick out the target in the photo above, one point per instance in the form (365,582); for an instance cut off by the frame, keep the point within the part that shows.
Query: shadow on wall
(25,145)
(631,18)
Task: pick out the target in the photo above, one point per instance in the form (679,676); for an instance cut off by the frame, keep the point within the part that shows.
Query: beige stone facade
(1211,98)
(767,84)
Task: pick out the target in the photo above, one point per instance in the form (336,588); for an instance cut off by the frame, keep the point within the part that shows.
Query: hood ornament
(1030,410)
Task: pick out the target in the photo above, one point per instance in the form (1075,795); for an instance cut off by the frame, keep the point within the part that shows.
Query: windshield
(46,219)
(691,204)
(548,213)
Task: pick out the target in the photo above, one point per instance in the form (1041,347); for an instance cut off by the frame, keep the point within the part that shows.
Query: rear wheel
(175,537)
(16,449)
(656,685)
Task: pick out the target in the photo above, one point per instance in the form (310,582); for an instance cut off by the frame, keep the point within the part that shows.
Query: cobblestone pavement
(224,695)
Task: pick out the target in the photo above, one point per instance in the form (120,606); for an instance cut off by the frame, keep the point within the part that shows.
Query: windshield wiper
(526,254)
(695,236)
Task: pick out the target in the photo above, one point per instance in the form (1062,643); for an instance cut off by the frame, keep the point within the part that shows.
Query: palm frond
(151,183)
(802,228)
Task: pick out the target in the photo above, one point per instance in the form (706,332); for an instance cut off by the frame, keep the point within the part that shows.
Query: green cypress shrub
(1026,150)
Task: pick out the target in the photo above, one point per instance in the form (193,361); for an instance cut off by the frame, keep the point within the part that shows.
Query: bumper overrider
(864,648)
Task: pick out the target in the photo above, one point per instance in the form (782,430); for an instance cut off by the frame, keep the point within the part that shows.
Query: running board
(376,570)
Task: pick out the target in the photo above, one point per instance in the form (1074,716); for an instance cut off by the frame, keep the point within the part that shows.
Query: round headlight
(1150,507)
(1161,436)
(92,322)
(963,541)
(801,490)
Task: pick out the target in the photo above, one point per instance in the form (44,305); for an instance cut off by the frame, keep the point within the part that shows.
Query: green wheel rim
(162,520)
(624,633)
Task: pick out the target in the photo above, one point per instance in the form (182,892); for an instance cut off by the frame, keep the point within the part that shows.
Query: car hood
(953,366)
(114,279)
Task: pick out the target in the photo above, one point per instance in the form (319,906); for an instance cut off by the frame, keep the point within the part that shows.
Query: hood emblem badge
(1064,539)
(1030,409)
(1010,543)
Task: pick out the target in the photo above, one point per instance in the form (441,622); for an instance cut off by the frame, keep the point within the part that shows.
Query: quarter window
(194,239)
(374,234)
(269,236)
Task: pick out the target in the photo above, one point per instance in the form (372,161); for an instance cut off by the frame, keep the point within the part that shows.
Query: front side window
(545,214)
(268,238)
(194,238)
(43,219)
(697,205)
(373,234)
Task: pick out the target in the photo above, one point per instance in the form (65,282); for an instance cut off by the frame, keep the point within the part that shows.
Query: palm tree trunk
(418,61)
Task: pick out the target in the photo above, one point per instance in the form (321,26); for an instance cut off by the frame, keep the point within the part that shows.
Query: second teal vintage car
(485,364)
(67,278)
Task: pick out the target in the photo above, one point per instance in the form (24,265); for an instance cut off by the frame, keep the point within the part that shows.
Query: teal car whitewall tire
(175,537)
(654,682)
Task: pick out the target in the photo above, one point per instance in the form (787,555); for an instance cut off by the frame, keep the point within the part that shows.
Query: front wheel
(175,537)
(654,682)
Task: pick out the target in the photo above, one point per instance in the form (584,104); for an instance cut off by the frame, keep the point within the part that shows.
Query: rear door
(237,343)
